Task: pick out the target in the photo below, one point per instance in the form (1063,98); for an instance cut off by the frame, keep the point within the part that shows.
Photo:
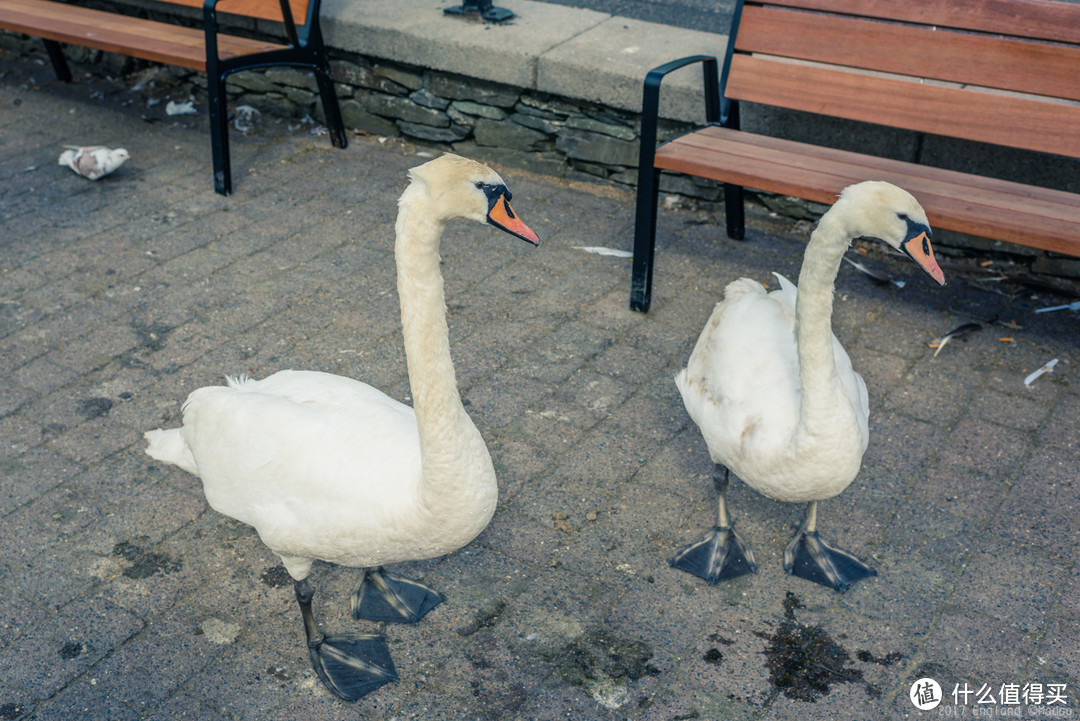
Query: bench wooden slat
(148,40)
(928,107)
(1042,19)
(1002,210)
(262,9)
(923,51)
(1016,197)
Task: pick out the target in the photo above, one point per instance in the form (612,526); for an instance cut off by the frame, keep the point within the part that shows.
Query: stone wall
(500,123)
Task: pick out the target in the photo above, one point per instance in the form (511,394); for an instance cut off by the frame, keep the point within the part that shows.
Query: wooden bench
(1004,72)
(206,49)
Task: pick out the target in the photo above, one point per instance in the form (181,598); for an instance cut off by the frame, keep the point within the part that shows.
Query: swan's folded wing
(256,451)
(741,385)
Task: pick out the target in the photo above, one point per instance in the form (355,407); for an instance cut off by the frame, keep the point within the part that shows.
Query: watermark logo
(925,694)
(1011,700)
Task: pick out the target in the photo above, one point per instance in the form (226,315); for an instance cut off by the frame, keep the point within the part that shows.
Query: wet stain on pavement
(144,564)
(276,577)
(71,649)
(887,660)
(804,661)
(714,655)
(95,407)
(602,655)
(152,335)
(11,711)
(484,618)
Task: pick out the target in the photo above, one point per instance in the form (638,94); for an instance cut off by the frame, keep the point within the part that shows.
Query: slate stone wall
(550,135)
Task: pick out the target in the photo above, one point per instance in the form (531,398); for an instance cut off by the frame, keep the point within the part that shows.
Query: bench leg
(733,210)
(219,133)
(59,62)
(644,239)
(331,108)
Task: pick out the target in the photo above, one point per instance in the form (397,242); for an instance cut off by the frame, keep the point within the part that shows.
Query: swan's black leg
(810,557)
(383,596)
(721,555)
(348,665)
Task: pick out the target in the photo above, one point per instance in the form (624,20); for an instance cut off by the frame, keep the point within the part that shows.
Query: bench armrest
(650,102)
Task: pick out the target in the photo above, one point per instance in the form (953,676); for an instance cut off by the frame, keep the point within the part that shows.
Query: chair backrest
(1005,72)
(261,9)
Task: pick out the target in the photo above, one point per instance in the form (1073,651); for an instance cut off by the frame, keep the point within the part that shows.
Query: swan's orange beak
(502,216)
(919,249)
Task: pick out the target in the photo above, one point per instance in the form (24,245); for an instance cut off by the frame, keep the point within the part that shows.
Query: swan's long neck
(447,434)
(813,317)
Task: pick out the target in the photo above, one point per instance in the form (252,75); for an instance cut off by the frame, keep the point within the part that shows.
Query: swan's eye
(903,216)
(480,185)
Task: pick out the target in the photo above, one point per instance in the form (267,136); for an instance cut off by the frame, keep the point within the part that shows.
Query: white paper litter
(245,118)
(1045,369)
(601,250)
(185,108)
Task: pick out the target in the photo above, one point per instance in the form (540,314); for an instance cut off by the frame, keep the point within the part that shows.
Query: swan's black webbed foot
(810,557)
(351,666)
(720,556)
(348,665)
(383,596)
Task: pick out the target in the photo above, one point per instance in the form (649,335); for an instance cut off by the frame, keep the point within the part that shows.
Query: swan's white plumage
(744,385)
(326,467)
(741,387)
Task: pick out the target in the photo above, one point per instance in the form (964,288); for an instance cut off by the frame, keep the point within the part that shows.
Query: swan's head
(456,187)
(876,209)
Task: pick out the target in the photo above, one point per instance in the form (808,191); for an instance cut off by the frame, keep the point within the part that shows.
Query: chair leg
(734,211)
(59,62)
(644,239)
(331,108)
(219,133)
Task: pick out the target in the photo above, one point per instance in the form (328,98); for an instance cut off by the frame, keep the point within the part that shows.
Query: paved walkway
(122,596)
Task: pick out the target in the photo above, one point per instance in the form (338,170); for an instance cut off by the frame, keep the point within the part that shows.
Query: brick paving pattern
(123,596)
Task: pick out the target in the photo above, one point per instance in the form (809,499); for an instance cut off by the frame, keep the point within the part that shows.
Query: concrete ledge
(570,52)
(607,65)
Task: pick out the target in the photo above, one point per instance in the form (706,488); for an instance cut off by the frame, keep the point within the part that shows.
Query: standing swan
(326,467)
(774,394)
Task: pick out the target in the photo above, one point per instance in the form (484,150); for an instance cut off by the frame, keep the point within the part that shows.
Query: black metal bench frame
(306,50)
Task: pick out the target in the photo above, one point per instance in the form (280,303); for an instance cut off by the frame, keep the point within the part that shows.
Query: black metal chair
(306,50)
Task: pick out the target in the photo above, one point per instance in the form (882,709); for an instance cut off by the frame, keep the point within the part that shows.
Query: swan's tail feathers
(239,381)
(168,446)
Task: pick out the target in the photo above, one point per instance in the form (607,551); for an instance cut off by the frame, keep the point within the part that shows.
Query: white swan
(329,468)
(774,393)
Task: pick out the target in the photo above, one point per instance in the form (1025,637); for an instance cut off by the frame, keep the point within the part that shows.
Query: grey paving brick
(45,660)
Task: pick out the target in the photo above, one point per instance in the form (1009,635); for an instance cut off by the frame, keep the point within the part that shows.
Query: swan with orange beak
(776,397)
